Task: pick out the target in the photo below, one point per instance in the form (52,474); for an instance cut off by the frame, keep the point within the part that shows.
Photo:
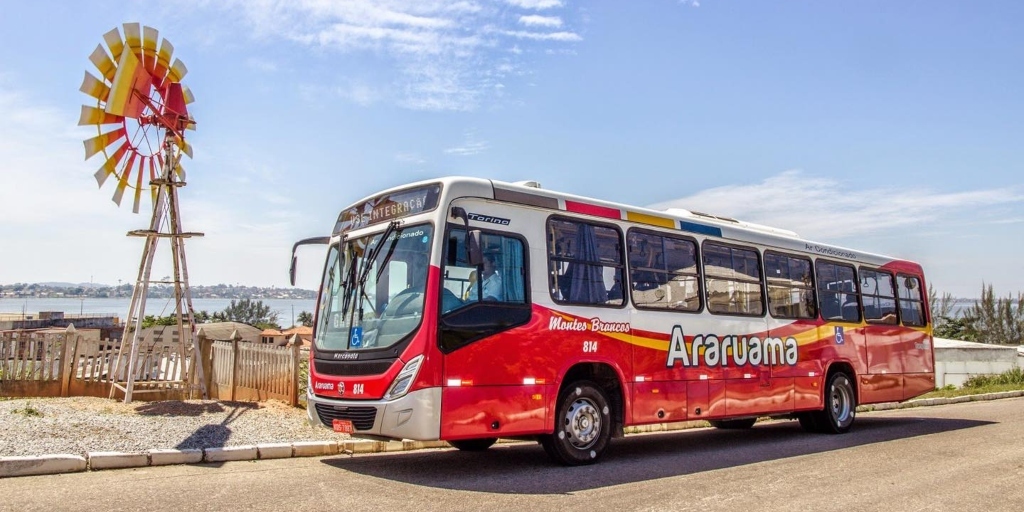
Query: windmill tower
(141,116)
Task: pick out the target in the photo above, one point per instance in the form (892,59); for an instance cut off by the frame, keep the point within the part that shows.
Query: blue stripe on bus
(700,228)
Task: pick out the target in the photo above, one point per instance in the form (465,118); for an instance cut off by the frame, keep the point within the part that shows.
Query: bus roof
(531,193)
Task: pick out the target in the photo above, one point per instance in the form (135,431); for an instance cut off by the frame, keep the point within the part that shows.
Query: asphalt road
(956,457)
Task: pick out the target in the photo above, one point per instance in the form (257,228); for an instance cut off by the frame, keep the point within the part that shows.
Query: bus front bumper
(415,416)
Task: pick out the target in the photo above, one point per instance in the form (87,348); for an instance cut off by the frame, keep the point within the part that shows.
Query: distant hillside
(75,285)
(93,290)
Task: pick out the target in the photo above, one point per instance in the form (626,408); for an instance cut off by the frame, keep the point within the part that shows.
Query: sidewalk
(224,450)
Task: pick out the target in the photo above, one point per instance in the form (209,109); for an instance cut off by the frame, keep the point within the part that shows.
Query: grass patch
(28,411)
(1010,380)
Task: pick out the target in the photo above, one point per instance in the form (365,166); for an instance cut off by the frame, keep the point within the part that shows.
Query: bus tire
(474,445)
(740,424)
(583,425)
(840,409)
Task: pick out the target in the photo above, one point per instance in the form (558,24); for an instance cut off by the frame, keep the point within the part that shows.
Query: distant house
(272,337)
(216,331)
(222,331)
(305,334)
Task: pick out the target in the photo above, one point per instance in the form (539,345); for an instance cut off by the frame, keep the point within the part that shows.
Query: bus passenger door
(748,383)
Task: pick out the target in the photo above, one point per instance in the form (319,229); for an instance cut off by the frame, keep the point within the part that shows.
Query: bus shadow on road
(523,468)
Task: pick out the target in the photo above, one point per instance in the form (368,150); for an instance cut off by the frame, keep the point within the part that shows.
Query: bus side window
(911,302)
(501,278)
(585,263)
(837,291)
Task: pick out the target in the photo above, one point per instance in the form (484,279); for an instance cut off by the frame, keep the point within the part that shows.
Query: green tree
(150,320)
(306,318)
(945,322)
(250,312)
(996,320)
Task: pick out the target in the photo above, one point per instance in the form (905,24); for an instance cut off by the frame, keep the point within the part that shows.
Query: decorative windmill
(141,115)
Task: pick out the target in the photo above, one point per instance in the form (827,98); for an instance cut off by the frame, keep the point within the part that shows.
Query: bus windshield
(372,293)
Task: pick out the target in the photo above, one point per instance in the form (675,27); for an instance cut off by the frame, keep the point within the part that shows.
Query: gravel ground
(40,426)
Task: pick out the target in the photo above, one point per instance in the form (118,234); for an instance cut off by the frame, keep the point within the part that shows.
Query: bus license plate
(343,426)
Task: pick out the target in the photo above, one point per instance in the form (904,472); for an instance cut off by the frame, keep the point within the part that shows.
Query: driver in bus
(493,289)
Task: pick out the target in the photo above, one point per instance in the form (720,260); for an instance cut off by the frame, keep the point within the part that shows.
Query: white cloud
(534,20)
(535,4)
(410,158)
(544,36)
(441,50)
(470,146)
(263,65)
(827,209)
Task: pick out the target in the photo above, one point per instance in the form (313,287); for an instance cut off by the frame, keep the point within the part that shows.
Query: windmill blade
(152,177)
(187,93)
(138,186)
(180,171)
(133,37)
(97,116)
(101,141)
(113,40)
(103,62)
(163,61)
(185,147)
(122,183)
(150,36)
(110,166)
(178,71)
(130,83)
(94,87)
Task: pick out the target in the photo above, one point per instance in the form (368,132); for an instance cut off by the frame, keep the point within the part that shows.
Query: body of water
(285,308)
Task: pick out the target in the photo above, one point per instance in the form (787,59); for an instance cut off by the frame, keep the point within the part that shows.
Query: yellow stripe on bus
(650,219)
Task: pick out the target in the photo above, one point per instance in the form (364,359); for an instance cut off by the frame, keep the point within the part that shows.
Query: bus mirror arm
(476,256)
(319,240)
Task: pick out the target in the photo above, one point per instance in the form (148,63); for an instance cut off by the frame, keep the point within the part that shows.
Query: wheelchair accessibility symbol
(839,336)
(356,341)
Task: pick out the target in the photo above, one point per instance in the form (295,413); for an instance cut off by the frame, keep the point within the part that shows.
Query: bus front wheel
(582,425)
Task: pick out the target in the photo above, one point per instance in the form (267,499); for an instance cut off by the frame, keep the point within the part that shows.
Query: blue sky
(894,127)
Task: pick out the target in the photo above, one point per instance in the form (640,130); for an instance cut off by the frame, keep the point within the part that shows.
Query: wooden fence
(45,365)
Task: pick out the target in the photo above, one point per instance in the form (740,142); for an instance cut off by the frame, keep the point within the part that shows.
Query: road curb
(41,465)
(68,463)
(929,402)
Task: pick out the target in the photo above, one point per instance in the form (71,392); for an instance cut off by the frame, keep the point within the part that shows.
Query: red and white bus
(466,310)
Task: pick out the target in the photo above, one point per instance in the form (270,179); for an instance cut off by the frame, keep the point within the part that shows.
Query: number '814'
(589,346)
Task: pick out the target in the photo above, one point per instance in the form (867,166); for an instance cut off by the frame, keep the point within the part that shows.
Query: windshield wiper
(366,263)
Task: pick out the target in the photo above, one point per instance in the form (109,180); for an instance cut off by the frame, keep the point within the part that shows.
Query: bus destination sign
(387,207)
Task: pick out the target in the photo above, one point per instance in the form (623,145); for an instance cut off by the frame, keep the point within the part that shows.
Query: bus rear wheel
(474,445)
(740,424)
(840,408)
(582,425)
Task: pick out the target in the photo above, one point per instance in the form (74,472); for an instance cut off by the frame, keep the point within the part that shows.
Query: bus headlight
(404,379)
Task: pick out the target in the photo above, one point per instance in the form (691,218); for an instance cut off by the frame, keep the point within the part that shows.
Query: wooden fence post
(235,338)
(293,389)
(206,353)
(67,369)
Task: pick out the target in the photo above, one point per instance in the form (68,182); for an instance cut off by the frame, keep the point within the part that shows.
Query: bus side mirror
(476,255)
(291,271)
(319,240)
